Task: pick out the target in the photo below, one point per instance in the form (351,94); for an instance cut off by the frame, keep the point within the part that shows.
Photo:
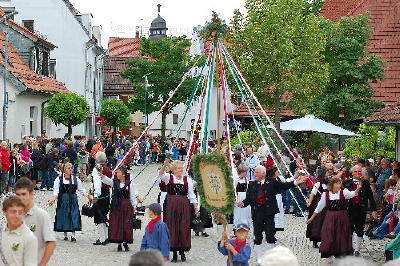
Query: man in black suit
(261,196)
(358,206)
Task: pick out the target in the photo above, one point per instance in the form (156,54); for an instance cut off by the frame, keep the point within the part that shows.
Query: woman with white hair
(177,209)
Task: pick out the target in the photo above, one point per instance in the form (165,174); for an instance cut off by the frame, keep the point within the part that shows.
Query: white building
(78,59)
(26,81)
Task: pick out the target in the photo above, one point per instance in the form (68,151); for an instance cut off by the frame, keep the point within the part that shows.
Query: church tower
(158,27)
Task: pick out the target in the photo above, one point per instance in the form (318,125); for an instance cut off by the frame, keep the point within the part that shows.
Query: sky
(119,18)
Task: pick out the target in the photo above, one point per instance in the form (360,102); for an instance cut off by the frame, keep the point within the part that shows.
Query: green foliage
(280,51)
(220,160)
(372,142)
(69,109)
(313,7)
(214,28)
(348,95)
(116,113)
(169,62)
(247,137)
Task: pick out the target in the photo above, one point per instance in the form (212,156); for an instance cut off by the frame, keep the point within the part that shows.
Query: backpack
(36,159)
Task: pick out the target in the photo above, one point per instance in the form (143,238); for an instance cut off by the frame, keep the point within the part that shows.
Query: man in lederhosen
(101,195)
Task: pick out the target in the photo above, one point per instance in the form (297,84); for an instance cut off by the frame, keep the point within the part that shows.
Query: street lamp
(145,100)
(5,93)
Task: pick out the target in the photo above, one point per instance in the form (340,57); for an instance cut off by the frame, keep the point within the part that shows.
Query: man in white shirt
(37,220)
(252,161)
(18,245)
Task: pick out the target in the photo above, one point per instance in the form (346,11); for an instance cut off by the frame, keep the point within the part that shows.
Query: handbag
(87,210)
(136,224)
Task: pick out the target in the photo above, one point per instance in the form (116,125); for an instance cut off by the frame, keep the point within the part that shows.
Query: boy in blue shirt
(240,249)
(157,233)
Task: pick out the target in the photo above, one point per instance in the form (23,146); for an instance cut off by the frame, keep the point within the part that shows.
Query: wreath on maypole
(214,183)
(215,28)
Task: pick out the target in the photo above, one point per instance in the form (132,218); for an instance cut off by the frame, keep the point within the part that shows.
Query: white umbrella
(311,123)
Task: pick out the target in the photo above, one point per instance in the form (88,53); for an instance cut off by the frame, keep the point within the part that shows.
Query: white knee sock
(259,251)
(105,228)
(100,231)
(73,234)
(358,241)
(270,246)
(65,234)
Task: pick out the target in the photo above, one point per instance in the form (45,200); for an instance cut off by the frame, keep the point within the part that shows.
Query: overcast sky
(120,17)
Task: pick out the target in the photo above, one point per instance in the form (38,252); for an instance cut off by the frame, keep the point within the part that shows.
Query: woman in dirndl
(123,203)
(336,236)
(313,231)
(68,216)
(241,215)
(177,210)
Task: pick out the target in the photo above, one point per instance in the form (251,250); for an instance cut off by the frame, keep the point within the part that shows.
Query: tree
(169,62)
(348,94)
(116,113)
(313,6)
(69,109)
(279,49)
(372,142)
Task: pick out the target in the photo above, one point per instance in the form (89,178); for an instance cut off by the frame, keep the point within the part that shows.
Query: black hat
(155,207)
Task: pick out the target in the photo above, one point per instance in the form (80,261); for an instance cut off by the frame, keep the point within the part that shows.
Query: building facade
(25,80)
(77,61)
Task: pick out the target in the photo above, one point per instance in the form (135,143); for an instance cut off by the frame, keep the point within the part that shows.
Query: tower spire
(159,8)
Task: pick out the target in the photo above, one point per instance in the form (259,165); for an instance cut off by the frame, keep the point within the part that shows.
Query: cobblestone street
(203,250)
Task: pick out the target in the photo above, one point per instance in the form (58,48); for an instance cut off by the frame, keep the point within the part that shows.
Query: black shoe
(390,236)
(73,239)
(299,215)
(374,237)
(119,249)
(357,253)
(183,256)
(105,242)
(126,247)
(315,244)
(175,257)
(204,234)
(196,233)
(97,243)
(287,212)
(65,238)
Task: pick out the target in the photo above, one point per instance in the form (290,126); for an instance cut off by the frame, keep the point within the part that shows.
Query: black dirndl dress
(314,229)
(68,216)
(121,214)
(178,215)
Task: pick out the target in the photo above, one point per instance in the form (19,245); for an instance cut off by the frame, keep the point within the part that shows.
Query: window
(29,24)
(52,68)
(175,119)
(45,64)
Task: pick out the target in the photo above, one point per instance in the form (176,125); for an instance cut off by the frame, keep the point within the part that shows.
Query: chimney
(137,35)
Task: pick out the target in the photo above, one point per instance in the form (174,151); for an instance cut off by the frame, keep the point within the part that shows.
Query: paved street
(203,251)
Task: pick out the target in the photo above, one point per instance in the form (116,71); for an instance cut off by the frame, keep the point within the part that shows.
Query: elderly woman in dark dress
(177,210)
(123,203)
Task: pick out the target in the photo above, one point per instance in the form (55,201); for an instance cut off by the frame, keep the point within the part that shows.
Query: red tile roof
(390,114)
(114,84)
(242,110)
(385,20)
(20,70)
(124,47)
(26,31)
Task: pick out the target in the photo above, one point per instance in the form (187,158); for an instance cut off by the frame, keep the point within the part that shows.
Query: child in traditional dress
(157,234)
(240,249)
(336,236)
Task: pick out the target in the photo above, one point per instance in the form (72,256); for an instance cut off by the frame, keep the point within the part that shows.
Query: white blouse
(333,196)
(132,189)
(192,197)
(96,183)
(316,186)
(56,187)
